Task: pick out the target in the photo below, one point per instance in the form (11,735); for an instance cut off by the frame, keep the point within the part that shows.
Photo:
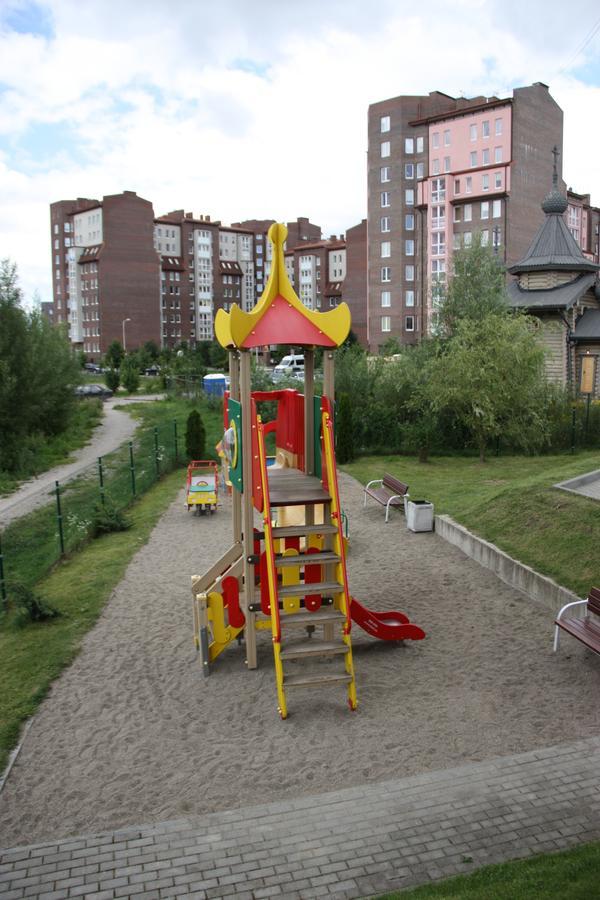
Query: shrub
(130,376)
(344,430)
(107,518)
(112,379)
(195,436)
(30,607)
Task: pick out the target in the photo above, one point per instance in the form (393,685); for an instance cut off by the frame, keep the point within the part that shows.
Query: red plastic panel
(231,599)
(265,604)
(257,492)
(387,626)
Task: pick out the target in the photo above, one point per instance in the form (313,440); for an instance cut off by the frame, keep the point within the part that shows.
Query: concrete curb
(512,572)
(572,484)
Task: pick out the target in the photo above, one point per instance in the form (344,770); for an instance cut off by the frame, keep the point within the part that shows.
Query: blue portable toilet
(214,385)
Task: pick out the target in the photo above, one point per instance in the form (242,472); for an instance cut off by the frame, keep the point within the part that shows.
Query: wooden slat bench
(390,492)
(585,628)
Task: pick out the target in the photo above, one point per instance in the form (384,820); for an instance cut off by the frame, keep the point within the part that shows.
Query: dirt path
(115,428)
(133,733)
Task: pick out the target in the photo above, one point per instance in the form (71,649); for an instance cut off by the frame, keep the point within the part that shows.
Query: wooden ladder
(300,602)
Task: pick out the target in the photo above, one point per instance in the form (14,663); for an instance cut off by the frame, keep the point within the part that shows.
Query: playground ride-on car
(202,486)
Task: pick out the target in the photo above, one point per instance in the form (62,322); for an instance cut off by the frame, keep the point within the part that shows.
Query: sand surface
(132,733)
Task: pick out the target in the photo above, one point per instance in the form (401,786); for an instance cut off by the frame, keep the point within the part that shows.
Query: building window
(447,138)
(385,149)
(446,164)
(498,126)
(385,199)
(485,237)
(386,298)
(496,237)
(438,190)
(485,157)
(435,140)
(435,167)
(384,123)
(457,214)
(409,323)
(485,182)
(386,249)
(456,186)
(456,241)
(438,216)
(498,180)
(385,174)
(386,274)
(409,145)
(419,145)
(468,212)
(473,158)
(468,238)
(485,129)
(473,132)
(420,170)
(468,184)
(409,170)
(385,223)
(438,243)
(386,323)
(409,298)
(409,248)
(409,197)
(497,209)
(485,210)
(497,154)
(409,222)
(409,273)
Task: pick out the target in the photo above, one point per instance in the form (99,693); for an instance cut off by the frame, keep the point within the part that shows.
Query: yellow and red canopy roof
(280,317)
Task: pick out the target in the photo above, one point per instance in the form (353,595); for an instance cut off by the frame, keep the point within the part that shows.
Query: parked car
(291,366)
(152,370)
(93,368)
(99,391)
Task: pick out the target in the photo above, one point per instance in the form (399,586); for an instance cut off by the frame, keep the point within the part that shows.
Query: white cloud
(163,100)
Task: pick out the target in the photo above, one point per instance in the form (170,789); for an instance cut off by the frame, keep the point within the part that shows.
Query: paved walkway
(350,843)
(588,485)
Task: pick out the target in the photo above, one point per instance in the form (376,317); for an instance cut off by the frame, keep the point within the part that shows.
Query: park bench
(585,628)
(390,492)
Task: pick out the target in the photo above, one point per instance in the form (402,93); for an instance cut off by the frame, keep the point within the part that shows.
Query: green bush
(29,607)
(344,430)
(195,436)
(130,376)
(112,379)
(107,518)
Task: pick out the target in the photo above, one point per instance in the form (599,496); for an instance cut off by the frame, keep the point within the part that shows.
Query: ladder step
(301,589)
(284,531)
(313,648)
(316,679)
(306,559)
(321,617)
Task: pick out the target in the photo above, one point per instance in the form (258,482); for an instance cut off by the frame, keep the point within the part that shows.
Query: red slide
(387,626)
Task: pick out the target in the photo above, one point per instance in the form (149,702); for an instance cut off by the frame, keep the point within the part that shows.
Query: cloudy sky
(255,109)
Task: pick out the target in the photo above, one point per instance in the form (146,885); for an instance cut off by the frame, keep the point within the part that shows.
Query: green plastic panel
(234,413)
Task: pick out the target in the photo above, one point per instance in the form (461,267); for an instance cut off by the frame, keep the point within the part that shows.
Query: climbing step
(316,679)
(321,617)
(301,589)
(313,648)
(307,559)
(285,531)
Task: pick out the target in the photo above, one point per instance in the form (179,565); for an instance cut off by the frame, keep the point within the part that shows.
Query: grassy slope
(33,657)
(48,452)
(572,875)
(511,502)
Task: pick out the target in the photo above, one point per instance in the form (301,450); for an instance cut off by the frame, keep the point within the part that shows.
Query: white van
(291,366)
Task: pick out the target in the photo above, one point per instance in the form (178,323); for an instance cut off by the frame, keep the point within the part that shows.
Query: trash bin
(419,515)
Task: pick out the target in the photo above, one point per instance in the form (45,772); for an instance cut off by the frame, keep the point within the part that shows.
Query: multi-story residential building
(354,287)
(583,221)
(441,169)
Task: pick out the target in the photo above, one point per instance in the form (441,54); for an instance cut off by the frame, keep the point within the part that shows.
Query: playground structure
(202,486)
(289,575)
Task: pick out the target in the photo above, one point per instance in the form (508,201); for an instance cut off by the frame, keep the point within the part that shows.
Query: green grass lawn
(41,454)
(511,502)
(34,656)
(572,875)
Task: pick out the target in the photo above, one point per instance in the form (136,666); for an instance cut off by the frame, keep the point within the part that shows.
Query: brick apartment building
(441,169)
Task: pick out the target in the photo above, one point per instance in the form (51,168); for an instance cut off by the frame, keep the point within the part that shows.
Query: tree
(114,355)
(476,287)
(112,379)
(152,349)
(195,436)
(344,430)
(491,377)
(130,376)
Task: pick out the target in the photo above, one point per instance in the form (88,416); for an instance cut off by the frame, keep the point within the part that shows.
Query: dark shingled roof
(554,248)
(561,297)
(588,326)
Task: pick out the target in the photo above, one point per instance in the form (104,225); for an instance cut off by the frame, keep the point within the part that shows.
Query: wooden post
(247,507)
(236,497)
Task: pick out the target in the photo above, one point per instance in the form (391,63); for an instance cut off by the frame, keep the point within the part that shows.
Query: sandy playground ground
(132,733)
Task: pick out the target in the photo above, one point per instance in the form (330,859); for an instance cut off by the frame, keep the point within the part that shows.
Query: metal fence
(66,517)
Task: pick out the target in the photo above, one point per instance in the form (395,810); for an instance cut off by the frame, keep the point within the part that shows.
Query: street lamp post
(123,323)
